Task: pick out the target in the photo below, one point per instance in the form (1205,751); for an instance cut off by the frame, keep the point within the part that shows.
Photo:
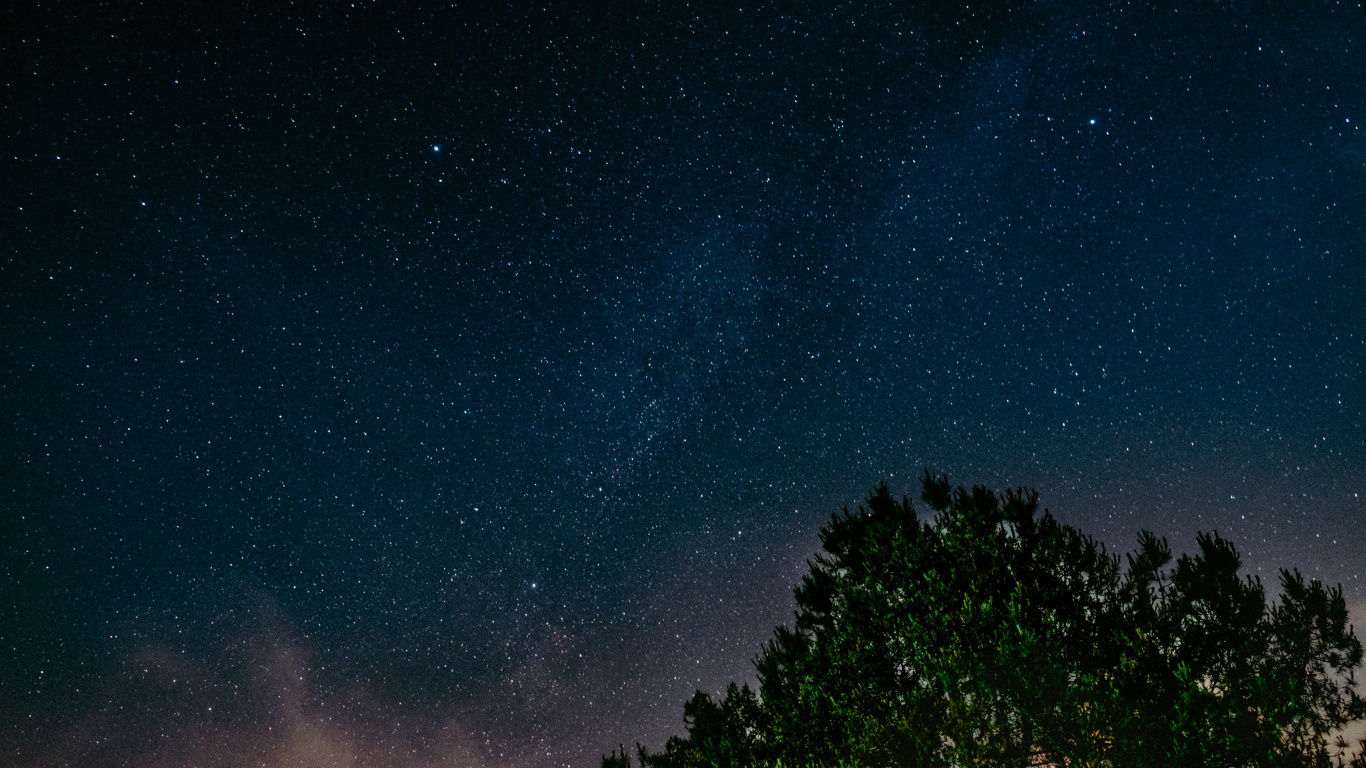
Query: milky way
(435,385)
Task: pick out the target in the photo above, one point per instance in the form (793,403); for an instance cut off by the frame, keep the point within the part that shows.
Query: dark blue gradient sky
(431,385)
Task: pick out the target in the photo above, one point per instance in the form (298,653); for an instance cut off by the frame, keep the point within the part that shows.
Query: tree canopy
(991,634)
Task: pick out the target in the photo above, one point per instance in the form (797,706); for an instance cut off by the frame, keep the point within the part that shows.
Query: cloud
(255,700)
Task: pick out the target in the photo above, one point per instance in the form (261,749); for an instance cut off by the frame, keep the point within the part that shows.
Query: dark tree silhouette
(993,635)
(617,759)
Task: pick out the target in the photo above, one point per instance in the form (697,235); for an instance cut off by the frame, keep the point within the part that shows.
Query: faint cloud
(254,701)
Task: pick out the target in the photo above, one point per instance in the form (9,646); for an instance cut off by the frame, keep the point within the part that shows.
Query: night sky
(406,384)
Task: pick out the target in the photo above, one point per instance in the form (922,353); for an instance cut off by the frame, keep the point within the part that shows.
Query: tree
(722,735)
(993,635)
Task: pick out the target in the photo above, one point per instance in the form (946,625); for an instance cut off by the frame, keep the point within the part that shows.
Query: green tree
(993,635)
(720,735)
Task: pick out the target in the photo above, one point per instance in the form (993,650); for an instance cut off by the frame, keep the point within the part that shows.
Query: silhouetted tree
(993,635)
(723,735)
(617,759)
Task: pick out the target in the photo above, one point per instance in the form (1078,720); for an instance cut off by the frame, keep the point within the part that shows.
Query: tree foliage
(992,634)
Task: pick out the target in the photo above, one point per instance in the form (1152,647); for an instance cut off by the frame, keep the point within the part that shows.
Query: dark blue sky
(444,386)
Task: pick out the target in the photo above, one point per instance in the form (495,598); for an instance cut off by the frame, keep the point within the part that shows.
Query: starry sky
(408,384)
